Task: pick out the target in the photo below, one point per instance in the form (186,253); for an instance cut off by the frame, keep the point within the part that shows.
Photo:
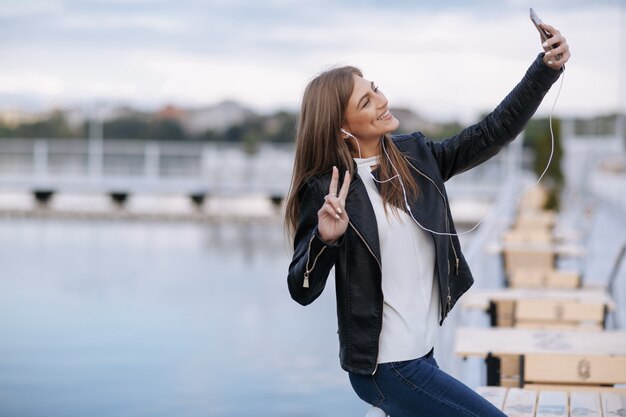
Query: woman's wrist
(326,240)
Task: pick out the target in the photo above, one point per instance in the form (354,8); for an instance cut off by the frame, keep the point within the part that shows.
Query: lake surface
(122,318)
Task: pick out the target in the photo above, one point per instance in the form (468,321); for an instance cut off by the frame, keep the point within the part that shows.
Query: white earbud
(350,135)
(347,133)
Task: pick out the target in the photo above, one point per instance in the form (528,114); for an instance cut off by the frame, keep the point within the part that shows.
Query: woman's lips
(385,116)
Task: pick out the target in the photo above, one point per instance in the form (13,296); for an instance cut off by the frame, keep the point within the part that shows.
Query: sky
(446,59)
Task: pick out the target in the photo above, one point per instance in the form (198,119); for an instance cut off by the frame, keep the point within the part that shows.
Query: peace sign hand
(332,219)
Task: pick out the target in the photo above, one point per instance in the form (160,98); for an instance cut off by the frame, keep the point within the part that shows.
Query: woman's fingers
(333,219)
(558,55)
(554,39)
(331,198)
(343,193)
(334,203)
(556,47)
(337,201)
(330,211)
(332,190)
(551,29)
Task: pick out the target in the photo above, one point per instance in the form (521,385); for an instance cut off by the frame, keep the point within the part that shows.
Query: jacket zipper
(377,261)
(456,258)
(366,245)
(308,270)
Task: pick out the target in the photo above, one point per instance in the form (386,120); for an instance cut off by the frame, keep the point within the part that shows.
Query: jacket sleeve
(313,258)
(477,143)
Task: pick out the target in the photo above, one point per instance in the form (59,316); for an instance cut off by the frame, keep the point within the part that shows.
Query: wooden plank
(553,401)
(585,404)
(534,222)
(574,388)
(613,404)
(495,395)
(541,217)
(510,382)
(552,404)
(558,325)
(520,403)
(529,258)
(580,369)
(505,313)
(528,235)
(480,298)
(509,365)
(544,277)
(479,341)
(563,279)
(534,198)
(560,249)
(528,278)
(551,310)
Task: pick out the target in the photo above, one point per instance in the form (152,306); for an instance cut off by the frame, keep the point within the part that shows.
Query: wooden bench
(564,402)
(589,370)
(480,298)
(506,350)
(584,309)
(555,314)
(532,265)
(549,314)
(573,369)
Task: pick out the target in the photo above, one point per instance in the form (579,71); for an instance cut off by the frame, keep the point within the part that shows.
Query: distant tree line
(277,127)
(55,126)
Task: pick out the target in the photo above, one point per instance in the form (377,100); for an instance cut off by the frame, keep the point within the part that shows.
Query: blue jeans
(416,388)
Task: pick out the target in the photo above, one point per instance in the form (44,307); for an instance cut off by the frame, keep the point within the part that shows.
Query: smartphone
(545,35)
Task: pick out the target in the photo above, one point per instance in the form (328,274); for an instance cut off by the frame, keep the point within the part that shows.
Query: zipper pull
(305,284)
(457,266)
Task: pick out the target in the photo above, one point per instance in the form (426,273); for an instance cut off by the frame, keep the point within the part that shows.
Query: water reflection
(137,319)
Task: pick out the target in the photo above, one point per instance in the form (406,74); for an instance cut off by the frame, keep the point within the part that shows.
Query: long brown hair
(319,144)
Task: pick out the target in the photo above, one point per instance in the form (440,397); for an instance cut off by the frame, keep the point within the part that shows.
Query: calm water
(148,319)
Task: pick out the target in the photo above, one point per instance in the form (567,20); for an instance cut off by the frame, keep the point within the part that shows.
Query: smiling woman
(397,276)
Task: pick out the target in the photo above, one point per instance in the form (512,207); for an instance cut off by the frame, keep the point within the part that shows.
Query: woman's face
(367,116)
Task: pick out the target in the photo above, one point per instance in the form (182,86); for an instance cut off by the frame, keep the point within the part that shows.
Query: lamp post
(95,145)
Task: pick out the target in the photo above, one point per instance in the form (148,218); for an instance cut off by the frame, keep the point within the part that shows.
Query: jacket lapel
(361,213)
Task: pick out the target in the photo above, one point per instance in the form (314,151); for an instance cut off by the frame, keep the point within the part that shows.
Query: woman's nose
(382,101)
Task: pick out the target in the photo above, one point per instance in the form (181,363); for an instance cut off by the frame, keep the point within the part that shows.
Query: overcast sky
(444,59)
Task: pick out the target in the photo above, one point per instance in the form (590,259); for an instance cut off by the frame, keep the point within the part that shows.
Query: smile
(384,116)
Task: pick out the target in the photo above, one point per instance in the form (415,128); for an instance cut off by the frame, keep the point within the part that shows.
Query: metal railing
(134,166)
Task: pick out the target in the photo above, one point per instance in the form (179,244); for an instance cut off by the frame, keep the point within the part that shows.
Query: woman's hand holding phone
(555,45)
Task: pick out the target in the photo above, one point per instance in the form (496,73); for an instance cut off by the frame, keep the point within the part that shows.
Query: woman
(388,231)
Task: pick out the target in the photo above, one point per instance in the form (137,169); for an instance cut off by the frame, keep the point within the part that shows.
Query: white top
(410,290)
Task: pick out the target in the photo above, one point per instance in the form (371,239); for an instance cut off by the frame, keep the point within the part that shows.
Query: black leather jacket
(356,256)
